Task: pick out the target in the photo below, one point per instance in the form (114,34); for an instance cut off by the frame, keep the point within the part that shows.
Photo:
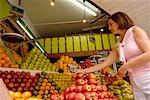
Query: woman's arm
(108,61)
(143,42)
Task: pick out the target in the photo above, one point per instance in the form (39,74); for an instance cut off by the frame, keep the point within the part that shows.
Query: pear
(117,92)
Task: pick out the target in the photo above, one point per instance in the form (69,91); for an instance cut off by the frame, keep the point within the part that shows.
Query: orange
(45,80)
(42,88)
(41,92)
(48,84)
(52,88)
(47,87)
(55,91)
(44,84)
(39,96)
(26,94)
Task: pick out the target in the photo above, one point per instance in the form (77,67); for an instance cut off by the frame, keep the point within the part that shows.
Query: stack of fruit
(22,96)
(86,87)
(19,81)
(45,87)
(5,60)
(36,60)
(122,89)
(61,79)
(86,64)
(63,63)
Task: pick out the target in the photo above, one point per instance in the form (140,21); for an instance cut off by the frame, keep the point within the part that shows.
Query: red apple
(18,73)
(25,80)
(86,88)
(79,96)
(79,75)
(85,81)
(66,97)
(25,88)
(28,84)
(19,80)
(33,84)
(12,80)
(66,90)
(11,85)
(91,75)
(79,88)
(31,88)
(72,96)
(54,97)
(27,76)
(74,77)
(19,89)
(80,82)
(104,87)
(99,88)
(88,96)
(94,88)
(22,84)
(16,85)
(94,96)
(61,97)
(28,73)
(12,72)
(1,72)
(23,73)
(15,76)
(6,81)
(6,72)
(30,80)
(91,81)
(72,88)
(3,76)
(14,89)
(35,80)
(9,76)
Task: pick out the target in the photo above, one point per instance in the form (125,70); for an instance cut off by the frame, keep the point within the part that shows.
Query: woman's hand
(122,70)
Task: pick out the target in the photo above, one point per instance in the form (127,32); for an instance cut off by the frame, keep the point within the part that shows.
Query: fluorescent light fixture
(81,5)
(25,29)
(37,44)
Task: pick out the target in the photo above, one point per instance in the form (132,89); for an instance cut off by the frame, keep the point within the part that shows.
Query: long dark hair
(122,19)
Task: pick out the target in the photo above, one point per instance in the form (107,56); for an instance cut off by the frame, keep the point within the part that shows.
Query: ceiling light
(30,36)
(84,21)
(81,5)
(52,3)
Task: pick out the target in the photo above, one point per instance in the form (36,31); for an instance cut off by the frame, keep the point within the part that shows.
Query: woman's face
(113,26)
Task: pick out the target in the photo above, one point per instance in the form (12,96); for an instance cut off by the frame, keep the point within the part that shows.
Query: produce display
(36,60)
(84,87)
(64,64)
(122,89)
(5,60)
(22,96)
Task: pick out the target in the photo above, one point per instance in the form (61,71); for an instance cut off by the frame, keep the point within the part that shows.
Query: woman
(133,51)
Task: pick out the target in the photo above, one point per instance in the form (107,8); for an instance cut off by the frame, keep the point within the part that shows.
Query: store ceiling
(138,10)
(66,18)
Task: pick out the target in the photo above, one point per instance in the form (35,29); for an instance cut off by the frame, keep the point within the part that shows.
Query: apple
(25,80)
(86,88)
(90,75)
(3,76)
(27,76)
(91,81)
(15,76)
(54,97)
(28,84)
(88,96)
(74,77)
(31,88)
(22,84)
(19,89)
(11,85)
(66,97)
(104,87)
(14,89)
(16,85)
(94,95)
(94,88)
(33,84)
(12,72)
(19,80)
(61,97)
(18,73)
(66,90)
(1,72)
(25,88)
(30,80)
(6,81)
(72,88)
(99,88)
(79,88)
(71,95)
(79,96)
(85,81)
(79,75)
(6,72)
(12,80)
(80,82)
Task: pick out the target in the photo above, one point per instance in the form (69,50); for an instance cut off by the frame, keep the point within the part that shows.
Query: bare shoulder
(139,32)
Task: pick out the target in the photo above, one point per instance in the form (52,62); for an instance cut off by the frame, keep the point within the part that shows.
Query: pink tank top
(128,50)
